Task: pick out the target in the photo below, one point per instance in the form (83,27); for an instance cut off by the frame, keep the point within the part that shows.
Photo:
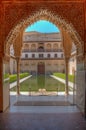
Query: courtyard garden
(63,76)
(41,82)
(13,77)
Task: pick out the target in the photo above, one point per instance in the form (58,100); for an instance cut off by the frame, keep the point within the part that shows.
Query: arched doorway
(67,31)
(45,15)
(41,68)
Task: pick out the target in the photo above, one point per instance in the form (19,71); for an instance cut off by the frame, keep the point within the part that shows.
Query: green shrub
(63,76)
(13,77)
(6,76)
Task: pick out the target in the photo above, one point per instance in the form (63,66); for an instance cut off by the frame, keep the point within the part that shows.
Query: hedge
(63,76)
(13,77)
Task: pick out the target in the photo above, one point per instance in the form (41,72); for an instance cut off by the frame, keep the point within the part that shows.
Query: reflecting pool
(41,82)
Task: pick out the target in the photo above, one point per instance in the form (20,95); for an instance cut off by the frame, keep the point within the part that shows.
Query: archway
(66,29)
(68,33)
(41,68)
(46,15)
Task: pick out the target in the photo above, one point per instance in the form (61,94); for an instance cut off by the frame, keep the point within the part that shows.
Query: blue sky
(42,26)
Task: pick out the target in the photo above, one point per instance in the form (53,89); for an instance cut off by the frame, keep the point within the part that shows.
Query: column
(1,85)
(4,83)
(66,81)
(18,74)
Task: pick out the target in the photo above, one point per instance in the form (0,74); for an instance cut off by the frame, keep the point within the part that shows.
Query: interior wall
(1,84)
(6,94)
(80,82)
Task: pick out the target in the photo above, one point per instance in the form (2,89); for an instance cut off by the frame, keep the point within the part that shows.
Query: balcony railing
(45,50)
(43,58)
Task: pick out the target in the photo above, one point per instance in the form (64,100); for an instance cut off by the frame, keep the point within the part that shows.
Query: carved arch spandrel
(49,16)
(17,45)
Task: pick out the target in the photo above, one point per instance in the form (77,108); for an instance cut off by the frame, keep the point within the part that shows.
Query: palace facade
(41,53)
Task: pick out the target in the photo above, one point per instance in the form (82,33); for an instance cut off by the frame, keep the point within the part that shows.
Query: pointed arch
(44,14)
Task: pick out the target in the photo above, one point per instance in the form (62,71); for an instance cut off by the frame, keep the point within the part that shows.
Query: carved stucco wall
(44,14)
(85,36)
(72,13)
(16,13)
(1,31)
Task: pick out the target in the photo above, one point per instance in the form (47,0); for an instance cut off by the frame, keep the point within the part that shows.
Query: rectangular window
(33,55)
(26,55)
(55,55)
(40,55)
(48,55)
(61,55)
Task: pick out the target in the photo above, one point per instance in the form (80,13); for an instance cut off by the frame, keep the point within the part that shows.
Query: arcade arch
(49,16)
(69,35)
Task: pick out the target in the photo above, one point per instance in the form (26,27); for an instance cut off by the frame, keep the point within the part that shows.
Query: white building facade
(42,53)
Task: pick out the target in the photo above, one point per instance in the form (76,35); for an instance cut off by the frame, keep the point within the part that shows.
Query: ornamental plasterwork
(46,15)
(11,50)
(73,12)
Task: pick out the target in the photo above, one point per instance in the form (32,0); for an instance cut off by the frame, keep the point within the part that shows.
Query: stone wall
(80,82)
(31,65)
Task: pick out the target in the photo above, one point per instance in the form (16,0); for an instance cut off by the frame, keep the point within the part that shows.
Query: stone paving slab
(56,121)
(42,103)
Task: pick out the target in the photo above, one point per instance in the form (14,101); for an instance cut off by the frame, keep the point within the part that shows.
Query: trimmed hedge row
(63,76)
(13,77)
(6,76)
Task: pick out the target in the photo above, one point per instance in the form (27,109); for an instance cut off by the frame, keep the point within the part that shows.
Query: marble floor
(41,109)
(42,117)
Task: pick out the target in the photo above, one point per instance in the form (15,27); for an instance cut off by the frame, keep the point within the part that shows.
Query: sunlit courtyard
(43,65)
(41,82)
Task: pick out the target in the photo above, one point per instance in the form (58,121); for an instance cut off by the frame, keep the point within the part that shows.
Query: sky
(42,26)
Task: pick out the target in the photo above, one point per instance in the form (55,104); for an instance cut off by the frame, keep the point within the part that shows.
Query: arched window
(33,47)
(41,49)
(61,46)
(48,47)
(25,48)
(55,47)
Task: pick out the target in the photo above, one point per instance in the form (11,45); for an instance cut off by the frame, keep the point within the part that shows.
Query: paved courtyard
(42,121)
(20,117)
